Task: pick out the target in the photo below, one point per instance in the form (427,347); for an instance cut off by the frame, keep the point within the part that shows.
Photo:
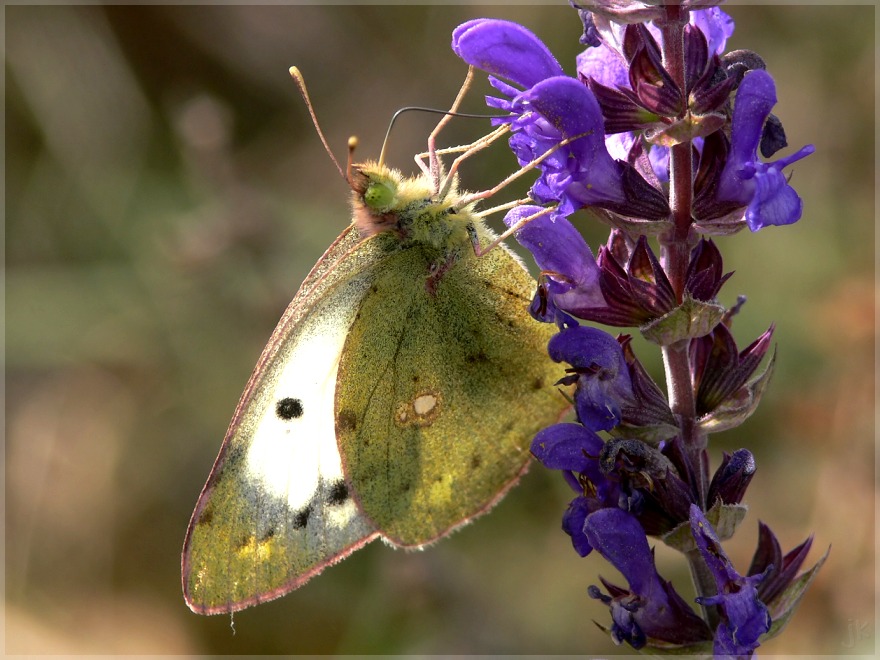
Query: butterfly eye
(379,196)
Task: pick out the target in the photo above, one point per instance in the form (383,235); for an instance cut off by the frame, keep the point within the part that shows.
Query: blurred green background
(165,196)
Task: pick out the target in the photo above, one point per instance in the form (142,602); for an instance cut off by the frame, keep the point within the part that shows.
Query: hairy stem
(676,246)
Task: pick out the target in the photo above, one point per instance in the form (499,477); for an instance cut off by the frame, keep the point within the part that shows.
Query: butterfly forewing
(276,509)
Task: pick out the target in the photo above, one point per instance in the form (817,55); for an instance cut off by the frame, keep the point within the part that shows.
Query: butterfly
(395,399)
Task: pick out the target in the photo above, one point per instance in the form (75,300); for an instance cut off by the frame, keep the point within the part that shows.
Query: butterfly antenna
(435,111)
(301,86)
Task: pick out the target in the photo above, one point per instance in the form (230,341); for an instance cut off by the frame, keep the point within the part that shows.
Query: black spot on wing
(346,421)
(301,517)
(289,408)
(478,358)
(338,494)
(504,291)
(206,516)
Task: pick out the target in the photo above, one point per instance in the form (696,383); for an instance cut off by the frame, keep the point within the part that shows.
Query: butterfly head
(385,200)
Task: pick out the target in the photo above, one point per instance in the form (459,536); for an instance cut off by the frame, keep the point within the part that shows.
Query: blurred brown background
(165,195)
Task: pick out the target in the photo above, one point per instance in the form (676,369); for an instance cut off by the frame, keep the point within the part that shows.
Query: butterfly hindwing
(440,430)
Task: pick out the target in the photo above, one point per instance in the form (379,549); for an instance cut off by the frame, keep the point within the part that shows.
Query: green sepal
(692,319)
(698,650)
(783,606)
(631,226)
(727,225)
(739,406)
(725,518)
(652,434)
(685,130)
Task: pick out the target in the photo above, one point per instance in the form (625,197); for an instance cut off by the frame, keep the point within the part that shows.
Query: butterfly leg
(433,159)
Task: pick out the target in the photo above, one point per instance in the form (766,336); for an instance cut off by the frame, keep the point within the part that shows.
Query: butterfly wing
(459,385)
(381,406)
(275,510)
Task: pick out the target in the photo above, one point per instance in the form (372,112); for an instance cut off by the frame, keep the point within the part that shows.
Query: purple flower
(554,107)
(651,608)
(588,176)
(639,97)
(569,274)
(744,618)
(575,449)
(600,371)
(745,180)
(606,63)
(625,287)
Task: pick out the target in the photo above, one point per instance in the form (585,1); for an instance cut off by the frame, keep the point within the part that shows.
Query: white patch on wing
(342,515)
(297,460)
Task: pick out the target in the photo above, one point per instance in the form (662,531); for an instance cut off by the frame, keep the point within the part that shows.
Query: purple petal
(744,617)
(775,201)
(755,99)
(570,107)
(505,49)
(716,25)
(603,378)
(620,539)
(573,525)
(567,446)
(562,254)
(586,348)
(604,65)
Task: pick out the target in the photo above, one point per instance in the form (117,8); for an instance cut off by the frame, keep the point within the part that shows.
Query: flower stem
(676,246)
(678,242)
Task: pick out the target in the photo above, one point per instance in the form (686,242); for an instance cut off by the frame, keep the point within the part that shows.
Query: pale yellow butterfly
(396,399)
